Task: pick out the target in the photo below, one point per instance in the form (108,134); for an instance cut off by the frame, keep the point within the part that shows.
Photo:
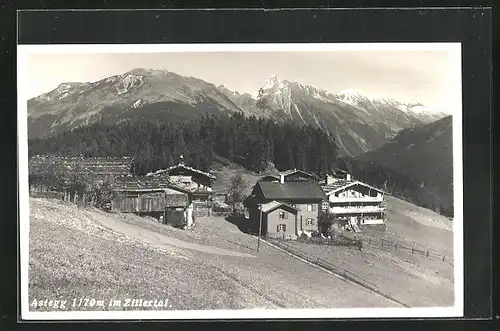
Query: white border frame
(455,311)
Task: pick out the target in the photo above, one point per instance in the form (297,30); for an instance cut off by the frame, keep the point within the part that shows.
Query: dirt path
(161,240)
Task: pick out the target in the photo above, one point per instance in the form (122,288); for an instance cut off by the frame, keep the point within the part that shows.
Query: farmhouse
(286,208)
(197,182)
(48,173)
(188,177)
(147,196)
(359,203)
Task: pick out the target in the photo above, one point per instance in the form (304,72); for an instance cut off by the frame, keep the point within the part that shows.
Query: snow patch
(64,95)
(128,82)
(137,103)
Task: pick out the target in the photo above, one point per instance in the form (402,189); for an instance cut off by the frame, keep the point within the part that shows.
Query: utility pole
(260,227)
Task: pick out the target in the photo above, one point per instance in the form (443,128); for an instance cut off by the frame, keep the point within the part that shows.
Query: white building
(357,202)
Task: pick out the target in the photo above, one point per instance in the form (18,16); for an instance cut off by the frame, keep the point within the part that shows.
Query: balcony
(356,210)
(355,199)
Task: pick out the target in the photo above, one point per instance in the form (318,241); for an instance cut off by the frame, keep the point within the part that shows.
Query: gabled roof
(291,190)
(143,183)
(295,171)
(97,166)
(341,185)
(267,207)
(181,166)
(269,177)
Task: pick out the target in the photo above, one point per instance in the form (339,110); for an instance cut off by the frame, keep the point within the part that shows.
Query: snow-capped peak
(271,82)
(352,95)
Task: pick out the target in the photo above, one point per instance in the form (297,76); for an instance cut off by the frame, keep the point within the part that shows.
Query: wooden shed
(144,196)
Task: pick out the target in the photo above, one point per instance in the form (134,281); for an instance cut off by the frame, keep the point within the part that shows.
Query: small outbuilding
(279,220)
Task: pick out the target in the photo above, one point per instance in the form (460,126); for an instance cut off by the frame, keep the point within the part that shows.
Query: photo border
(454,51)
(459,24)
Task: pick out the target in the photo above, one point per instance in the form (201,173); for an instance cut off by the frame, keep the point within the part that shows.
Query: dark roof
(143,183)
(297,171)
(181,166)
(272,205)
(115,166)
(270,177)
(291,190)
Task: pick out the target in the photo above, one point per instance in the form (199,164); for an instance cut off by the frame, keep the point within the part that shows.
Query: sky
(429,77)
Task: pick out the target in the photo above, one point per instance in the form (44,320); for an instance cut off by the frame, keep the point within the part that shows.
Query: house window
(324,205)
(281,227)
(283,215)
(309,221)
(311,207)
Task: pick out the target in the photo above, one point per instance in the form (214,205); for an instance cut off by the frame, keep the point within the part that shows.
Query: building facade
(305,197)
(147,197)
(279,220)
(197,182)
(358,203)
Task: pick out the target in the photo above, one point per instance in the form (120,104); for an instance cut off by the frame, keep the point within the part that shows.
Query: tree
(236,192)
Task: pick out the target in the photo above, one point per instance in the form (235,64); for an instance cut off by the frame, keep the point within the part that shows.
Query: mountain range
(359,123)
(424,153)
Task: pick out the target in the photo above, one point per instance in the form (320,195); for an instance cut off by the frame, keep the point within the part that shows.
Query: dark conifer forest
(253,143)
(257,144)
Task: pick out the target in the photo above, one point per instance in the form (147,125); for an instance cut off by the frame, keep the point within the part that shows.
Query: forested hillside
(253,143)
(404,186)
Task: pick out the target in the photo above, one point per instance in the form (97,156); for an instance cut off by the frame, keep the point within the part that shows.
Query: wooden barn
(146,196)
(197,182)
(50,174)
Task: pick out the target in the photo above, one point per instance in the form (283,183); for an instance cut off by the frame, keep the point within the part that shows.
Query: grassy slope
(97,262)
(411,278)
(73,255)
(414,279)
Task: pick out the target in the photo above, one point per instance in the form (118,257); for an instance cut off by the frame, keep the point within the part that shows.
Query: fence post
(395,246)
(369,241)
(427,253)
(412,249)
(74,198)
(382,243)
(443,258)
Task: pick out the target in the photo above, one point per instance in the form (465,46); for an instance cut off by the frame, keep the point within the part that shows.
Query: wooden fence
(348,275)
(415,248)
(342,241)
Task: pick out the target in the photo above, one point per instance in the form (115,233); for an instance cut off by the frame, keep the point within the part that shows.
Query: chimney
(282,178)
(348,176)
(329,180)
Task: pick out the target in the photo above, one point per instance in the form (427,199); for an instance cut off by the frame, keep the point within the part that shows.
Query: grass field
(85,253)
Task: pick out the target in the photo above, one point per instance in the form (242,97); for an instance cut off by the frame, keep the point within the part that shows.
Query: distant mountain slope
(139,94)
(359,123)
(425,153)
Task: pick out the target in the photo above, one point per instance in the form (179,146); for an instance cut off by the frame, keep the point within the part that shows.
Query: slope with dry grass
(76,253)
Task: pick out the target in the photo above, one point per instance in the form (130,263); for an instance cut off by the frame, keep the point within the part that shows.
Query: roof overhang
(340,188)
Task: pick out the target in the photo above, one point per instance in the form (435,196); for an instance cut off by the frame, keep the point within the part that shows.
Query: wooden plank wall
(148,202)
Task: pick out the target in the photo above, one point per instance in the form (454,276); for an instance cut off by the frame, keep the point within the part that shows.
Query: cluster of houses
(290,204)
(284,205)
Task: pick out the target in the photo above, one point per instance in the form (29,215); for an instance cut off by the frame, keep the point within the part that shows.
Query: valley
(358,123)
